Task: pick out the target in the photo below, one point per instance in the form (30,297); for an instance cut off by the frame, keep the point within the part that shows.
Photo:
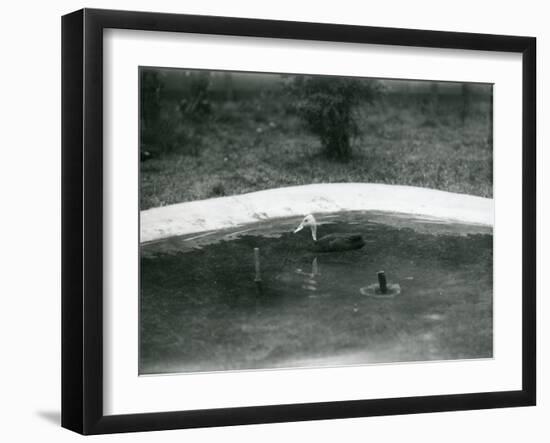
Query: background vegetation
(208,134)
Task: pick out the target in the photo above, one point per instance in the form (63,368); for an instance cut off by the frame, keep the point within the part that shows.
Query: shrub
(149,111)
(329,108)
(168,125)
(195,110)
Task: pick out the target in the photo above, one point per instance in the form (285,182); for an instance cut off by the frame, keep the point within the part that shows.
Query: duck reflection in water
(310,278)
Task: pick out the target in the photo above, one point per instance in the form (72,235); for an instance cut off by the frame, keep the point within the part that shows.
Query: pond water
(201,309)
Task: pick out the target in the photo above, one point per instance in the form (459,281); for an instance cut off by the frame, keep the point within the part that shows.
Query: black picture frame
(82,218)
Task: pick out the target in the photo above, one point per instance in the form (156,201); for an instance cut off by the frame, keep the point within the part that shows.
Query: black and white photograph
(266,222)
(308,221)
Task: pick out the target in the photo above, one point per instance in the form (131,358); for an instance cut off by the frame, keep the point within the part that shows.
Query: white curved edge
(225,212)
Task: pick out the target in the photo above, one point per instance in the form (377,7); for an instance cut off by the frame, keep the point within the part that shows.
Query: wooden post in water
(258,277)
(382,282)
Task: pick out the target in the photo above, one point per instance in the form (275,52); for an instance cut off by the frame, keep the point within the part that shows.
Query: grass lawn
(256,144)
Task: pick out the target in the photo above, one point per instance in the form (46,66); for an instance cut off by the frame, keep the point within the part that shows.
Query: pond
(202,310)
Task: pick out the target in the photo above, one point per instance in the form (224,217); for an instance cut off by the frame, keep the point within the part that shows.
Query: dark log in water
(382,282)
